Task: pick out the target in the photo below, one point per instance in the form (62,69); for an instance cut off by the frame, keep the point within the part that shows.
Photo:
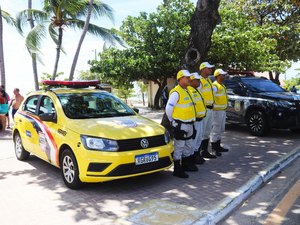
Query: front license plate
(146,158)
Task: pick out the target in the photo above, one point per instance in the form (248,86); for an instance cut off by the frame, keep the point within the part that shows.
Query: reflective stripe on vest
(221,99)
(199,102)
(184,110)
(206,91)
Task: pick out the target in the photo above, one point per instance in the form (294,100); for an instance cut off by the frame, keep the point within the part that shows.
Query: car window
(262,85)
(46,105)
(93,105)
(31,104)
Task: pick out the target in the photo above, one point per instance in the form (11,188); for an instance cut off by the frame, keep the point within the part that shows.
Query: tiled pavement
(32,192)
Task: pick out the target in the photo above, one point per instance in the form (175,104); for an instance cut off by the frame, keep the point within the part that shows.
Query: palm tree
(60,14)
(10,21)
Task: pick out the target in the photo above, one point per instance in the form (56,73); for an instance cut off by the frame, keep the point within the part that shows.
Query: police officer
(219,111)
(181,113)
(206,89)
(200,115)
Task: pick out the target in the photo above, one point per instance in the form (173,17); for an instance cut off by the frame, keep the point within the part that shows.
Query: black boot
(188,164)
(215,148)
(204,151)
(197,157)
(178,171)
(221,149)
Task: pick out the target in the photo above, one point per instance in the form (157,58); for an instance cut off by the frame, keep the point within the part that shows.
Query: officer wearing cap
(181,113)
(206,89)
(219,111)
(200,115)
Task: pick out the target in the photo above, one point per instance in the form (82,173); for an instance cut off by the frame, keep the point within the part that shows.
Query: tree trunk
(143,97)
(274,79)
(203,22)
(33,55)
(157,97)
(2,67)
(58,49)
(85,29)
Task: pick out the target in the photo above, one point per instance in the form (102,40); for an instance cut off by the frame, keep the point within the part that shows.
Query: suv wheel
(20,152)
(69,169)
(257,123)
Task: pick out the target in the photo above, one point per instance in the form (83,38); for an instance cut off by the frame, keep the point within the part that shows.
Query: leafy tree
(237,43)
(156,45)
(6,16)
(143,88)
(58,14)
(124,93)
(285,17)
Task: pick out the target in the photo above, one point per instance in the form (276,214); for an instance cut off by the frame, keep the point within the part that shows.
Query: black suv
(261,104)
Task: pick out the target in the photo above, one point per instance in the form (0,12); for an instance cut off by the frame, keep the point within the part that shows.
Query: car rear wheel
(69,169)
(20,152)
(257,123)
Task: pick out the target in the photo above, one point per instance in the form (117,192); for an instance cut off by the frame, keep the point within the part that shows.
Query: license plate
(146,158)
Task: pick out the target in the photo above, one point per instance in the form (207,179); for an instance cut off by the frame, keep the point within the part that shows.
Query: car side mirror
(136,110)
(48,117)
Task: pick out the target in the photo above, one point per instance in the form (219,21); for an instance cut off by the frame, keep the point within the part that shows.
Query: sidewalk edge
(225,206)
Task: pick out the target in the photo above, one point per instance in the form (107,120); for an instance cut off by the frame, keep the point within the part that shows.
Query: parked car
(261,104)
(89,134)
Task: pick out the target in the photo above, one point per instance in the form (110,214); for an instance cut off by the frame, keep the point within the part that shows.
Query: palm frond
(23,16)
(93,29)
(53,33)
(34,38)
(7,17)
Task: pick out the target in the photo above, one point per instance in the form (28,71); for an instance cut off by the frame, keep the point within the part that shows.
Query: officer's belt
(180,122)
(209,106)
(199,119)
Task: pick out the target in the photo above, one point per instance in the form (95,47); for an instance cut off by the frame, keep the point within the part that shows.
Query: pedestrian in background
(7,99)
(219,111)
(206,89)
(16,101)
(200,115)
(165,96)
(180,111)
(293,89)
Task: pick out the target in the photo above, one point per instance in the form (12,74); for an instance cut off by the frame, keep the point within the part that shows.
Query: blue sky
(17,60)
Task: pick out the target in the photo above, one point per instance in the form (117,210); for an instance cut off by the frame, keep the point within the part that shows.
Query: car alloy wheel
(20,152)
(69,169)
(257,123)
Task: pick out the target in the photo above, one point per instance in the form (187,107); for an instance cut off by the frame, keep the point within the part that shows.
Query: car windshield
(262,85)
(93,105)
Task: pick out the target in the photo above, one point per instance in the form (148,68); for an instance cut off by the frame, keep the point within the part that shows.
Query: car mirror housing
(48,117)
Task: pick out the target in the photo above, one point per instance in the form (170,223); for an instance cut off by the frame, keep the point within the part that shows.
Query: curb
(228,204)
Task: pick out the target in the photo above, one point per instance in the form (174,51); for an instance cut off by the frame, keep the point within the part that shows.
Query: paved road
(33,192)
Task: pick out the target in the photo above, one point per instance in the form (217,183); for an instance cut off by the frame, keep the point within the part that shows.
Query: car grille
(97,167)
(131,168)
(135,144)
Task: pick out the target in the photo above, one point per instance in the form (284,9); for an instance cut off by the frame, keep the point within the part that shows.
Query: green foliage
(241,43)
(156,44)
(124,92)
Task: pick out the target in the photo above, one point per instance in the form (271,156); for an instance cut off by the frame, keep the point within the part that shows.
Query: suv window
(31,104)
(262,85)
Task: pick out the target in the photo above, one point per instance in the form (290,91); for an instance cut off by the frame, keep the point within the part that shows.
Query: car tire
(257,123)
(20,152)
(69,169)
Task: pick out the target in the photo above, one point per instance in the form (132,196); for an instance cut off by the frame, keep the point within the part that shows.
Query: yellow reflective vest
(199,102)
(184,110)
(207,91)
(221,98)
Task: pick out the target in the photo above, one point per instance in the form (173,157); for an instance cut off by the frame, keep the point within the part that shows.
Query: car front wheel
(69,169)
(257,123)
(20,152)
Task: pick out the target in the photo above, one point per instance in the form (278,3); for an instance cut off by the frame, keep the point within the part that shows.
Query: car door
(236,98)
(28,126)
(47,148)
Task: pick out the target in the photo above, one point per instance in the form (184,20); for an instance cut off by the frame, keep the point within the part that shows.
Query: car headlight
(101,144)
(167,137)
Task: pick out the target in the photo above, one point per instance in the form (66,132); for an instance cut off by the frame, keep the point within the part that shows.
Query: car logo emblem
(144,143)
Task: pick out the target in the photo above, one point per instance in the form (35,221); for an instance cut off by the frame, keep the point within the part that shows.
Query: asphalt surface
(33,192)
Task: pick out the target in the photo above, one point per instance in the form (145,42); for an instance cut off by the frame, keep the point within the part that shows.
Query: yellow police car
(89,134)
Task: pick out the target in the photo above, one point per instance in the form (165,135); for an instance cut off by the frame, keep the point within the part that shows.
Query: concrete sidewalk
(204,198)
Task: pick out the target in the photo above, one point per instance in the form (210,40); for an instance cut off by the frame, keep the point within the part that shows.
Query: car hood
(117,128)
(288,96)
